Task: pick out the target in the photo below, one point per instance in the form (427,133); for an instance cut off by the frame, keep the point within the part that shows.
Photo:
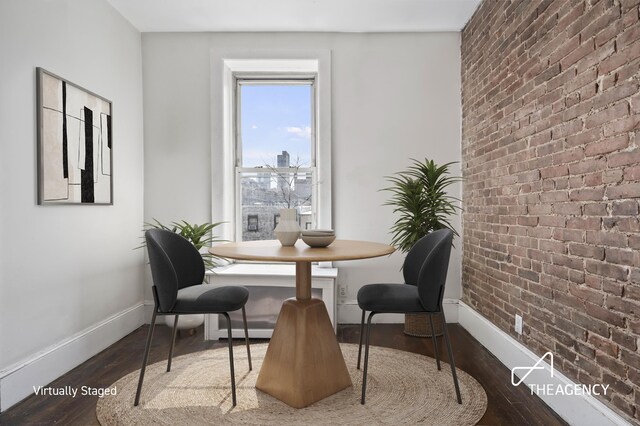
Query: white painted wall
(394,96)
(66,269)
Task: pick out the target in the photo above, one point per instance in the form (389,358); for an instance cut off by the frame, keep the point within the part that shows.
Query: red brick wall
(551,160)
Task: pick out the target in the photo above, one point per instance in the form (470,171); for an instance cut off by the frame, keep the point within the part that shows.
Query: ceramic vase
(288,230)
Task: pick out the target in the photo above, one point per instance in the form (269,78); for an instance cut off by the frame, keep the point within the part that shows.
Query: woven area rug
(403,388)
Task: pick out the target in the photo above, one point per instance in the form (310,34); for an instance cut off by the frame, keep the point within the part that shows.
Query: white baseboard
(148,311)
(350,313)
(583,410)
(18,380)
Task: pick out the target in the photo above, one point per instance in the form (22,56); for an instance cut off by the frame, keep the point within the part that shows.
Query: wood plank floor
(507,405)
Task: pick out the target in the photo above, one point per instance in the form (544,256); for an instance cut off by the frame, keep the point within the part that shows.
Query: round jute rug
(403,388)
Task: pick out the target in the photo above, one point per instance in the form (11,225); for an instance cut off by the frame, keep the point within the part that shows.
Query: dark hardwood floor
(507,405)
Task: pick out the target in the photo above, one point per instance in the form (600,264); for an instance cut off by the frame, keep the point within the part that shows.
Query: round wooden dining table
(303,363)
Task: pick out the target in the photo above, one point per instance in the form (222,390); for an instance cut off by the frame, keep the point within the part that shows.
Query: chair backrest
(175,264)
(426,266)
(415,259)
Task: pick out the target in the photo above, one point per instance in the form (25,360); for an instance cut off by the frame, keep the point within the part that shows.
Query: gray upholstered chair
(425,269)
(178,272)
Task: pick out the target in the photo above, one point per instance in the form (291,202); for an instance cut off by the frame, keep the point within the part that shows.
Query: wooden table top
(273,251)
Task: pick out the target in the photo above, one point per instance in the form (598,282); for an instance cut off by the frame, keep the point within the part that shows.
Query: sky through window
(275,118)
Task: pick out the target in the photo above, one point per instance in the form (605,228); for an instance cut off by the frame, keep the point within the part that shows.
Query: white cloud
(254,126)
(301,132)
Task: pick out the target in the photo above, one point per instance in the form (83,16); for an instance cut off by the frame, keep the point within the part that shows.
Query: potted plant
(201,237)
(419,196)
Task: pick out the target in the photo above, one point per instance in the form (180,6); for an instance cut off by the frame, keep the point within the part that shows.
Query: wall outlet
(518,324)
(342,291)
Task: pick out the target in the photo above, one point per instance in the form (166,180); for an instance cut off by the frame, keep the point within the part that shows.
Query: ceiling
(297,15)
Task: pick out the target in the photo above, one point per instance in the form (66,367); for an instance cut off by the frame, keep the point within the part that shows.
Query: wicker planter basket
(418,325)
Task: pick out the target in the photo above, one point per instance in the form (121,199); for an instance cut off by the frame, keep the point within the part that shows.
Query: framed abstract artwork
(74,143)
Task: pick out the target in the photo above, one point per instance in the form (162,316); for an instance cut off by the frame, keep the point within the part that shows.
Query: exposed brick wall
(551,161)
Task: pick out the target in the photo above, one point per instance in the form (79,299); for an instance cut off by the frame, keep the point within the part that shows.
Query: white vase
(288,230)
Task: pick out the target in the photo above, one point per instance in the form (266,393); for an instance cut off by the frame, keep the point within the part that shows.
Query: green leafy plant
(199,235)
(419,196)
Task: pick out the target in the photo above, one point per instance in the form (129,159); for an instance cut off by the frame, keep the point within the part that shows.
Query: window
(271,140)
(252,223)
(275,152)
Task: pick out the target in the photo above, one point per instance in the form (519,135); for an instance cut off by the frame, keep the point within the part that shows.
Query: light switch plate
(518,326)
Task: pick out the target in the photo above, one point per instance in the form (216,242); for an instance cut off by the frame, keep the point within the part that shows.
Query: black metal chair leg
(145,358)
(360,345)
(453,364)
(173,342)
(246,336)
(436,350)
(233,375)
(366,358)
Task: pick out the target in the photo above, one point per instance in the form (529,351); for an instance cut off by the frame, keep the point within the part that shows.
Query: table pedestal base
(303,363)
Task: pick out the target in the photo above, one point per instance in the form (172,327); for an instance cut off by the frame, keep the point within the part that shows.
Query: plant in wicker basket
(419,196)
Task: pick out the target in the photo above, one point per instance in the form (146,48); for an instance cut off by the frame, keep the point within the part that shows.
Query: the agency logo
(529,370)
(520,374)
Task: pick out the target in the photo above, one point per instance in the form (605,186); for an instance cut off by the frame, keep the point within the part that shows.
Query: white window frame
(272,78)
(226,65)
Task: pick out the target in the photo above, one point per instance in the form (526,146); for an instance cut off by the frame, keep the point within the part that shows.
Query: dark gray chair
(178,272)
(425,269)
